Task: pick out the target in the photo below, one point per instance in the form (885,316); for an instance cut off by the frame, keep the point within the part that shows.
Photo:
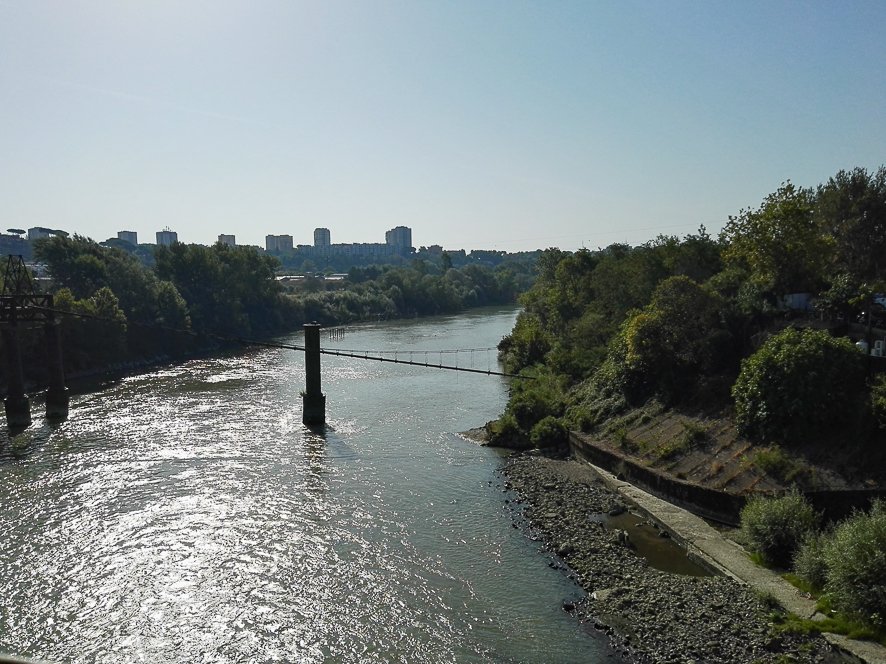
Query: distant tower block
(166,238)
(128,236)
(400,238)
(278,243)
(322,237)
(228,240)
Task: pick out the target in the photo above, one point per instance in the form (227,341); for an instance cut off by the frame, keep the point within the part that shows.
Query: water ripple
(187,515)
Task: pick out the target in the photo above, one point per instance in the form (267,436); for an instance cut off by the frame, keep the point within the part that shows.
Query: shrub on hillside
(664,348)
(878,400)
(595,400)
(796,384)
(504,432)
(526,345)
(536,398)
(549,432)
(775,527)
(856,561)
(810,563)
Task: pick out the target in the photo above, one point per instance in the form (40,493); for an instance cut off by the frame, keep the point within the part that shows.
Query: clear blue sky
(480,124)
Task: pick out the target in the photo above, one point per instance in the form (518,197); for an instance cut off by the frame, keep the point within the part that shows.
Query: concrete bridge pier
(313,399)
(57,400)
(16,403)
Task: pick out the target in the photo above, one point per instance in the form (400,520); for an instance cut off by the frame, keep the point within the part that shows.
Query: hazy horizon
(488,125)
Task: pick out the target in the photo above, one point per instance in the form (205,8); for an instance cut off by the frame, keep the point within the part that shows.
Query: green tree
(84,266)
(780,243)
(97,336)
(674,340)
(851,208)
(798,385)
(228,290)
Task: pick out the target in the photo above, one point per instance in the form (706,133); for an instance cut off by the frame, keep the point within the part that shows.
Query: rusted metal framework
(22,305)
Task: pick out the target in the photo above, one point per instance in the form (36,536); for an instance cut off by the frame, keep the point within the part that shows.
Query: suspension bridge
(24,308)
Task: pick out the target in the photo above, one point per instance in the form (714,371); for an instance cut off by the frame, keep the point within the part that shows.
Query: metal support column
(57,401)
(313,399)
(16,403)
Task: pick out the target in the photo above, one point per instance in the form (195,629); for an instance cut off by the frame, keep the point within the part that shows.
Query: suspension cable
(352,353)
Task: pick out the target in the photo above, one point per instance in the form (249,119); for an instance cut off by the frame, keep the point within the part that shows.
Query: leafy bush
(776,463)
(504,432)
(810,563)
(580,417)
(665,347)
(534,399)
(775,527)
(796,384)
(878,400)
(856,561)
(549,432)
(526,345)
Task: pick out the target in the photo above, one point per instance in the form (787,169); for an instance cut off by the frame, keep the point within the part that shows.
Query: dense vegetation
(844,566)
(306,261)
(685,321)
(192,297)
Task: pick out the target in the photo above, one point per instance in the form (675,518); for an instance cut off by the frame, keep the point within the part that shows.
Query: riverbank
(651,615)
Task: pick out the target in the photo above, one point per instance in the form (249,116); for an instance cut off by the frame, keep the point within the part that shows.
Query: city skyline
(493,124)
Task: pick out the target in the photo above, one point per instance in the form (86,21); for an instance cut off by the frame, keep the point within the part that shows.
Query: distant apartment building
(278,243)
(360,249)
(38,232)
(228,240)
(128,236)
(14,244)
(401,238)
(398,243)
(166,238)
(322,237)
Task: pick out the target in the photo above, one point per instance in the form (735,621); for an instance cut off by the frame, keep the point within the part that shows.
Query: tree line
(706,321)
(192,298)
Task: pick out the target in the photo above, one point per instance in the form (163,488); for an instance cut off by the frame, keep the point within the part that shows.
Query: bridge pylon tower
(22,306)
(313,399)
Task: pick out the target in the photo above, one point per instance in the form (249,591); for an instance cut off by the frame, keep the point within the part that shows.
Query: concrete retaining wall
(706,502)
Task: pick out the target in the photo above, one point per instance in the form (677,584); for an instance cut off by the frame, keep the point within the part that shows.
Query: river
(187,515)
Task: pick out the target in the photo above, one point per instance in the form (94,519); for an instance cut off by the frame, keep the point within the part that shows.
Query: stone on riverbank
(657,616)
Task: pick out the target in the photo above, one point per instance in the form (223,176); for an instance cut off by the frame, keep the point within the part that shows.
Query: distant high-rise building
(401,238)
(39,232)
(229,240)
(128,236)
(15,244)
(322,237)
(166,238)
(278,243)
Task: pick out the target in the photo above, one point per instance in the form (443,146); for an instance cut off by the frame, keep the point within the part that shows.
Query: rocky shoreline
(651,616)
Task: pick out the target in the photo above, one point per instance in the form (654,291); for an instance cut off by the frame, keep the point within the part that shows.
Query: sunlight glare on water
(186,515)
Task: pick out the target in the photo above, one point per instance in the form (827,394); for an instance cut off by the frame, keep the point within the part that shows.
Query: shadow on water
(652,544)
(20,442)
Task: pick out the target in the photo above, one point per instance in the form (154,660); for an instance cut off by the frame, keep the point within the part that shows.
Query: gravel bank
(653,616)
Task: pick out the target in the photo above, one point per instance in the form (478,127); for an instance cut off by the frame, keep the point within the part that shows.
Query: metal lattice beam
(20,301)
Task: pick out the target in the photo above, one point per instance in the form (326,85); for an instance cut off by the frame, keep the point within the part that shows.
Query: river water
(186,515)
